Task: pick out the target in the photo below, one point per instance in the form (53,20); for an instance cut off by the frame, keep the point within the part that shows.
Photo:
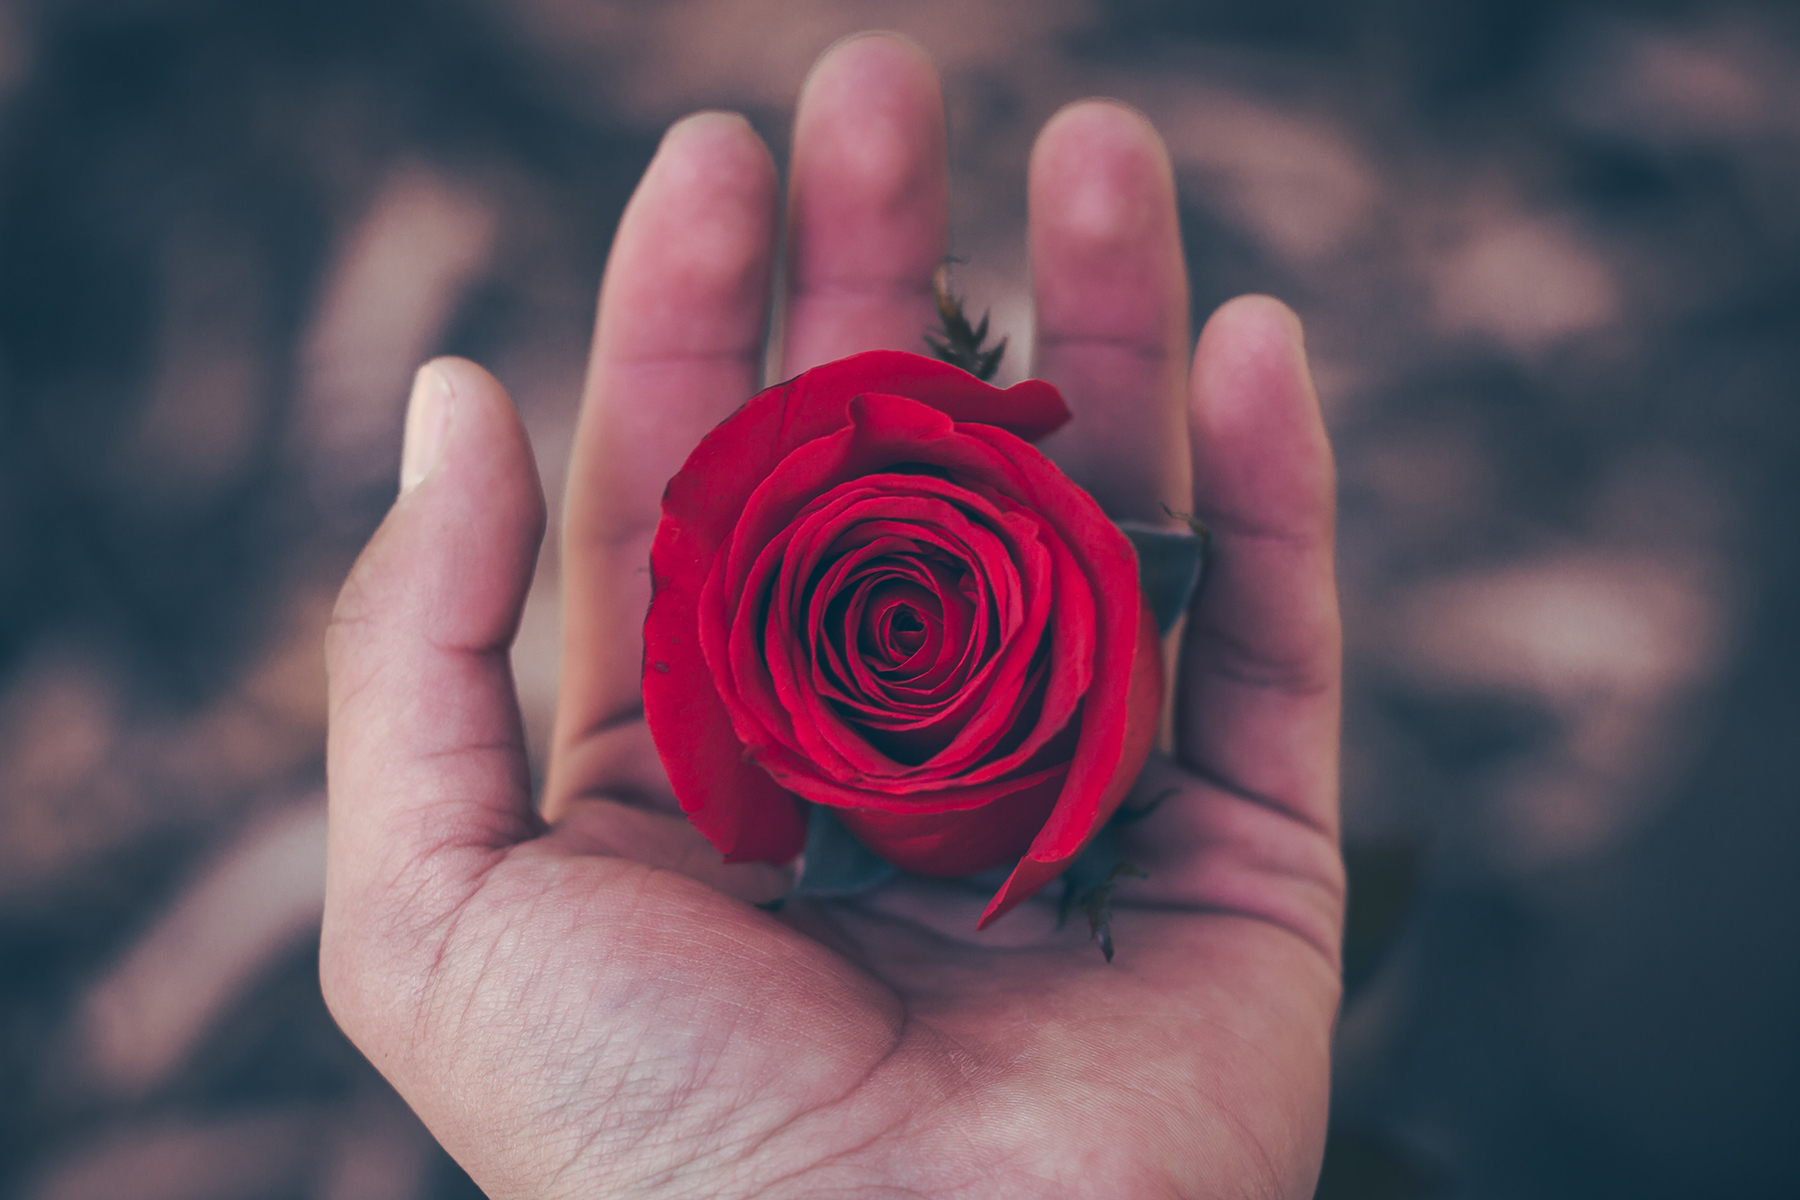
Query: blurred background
(1549,260)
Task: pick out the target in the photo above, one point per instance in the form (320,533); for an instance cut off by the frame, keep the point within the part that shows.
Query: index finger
(677,346)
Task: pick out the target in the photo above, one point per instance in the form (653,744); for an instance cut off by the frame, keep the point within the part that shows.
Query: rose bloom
(872,593)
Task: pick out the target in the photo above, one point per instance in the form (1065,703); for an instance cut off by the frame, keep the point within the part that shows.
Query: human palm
(587,1003)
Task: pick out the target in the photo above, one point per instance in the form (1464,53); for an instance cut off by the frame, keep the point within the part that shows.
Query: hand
(589,1006)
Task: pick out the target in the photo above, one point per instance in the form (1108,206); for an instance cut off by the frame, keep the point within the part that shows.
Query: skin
(583,1002)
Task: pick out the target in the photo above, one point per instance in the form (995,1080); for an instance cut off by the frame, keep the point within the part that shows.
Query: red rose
(872,593)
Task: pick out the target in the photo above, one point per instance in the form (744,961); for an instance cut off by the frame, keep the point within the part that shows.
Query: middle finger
(868,204)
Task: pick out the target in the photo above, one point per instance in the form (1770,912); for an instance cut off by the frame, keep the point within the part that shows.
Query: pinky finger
(1260,687)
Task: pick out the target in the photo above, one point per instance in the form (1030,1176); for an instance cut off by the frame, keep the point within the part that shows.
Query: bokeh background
(1549,260)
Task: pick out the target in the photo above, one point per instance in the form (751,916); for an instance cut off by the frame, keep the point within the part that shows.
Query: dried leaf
(956,342)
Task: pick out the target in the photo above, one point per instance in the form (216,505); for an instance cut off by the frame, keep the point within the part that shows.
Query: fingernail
(427,423)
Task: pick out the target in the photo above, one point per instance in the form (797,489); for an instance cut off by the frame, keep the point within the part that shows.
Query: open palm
(586,1003)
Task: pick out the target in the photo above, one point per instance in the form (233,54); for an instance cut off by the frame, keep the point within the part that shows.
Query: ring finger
(1110,295)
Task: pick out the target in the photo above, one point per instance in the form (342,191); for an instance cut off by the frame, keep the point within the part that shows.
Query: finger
(426,759)
(677,346)
(868,203)
(1260,685)
(1111,302)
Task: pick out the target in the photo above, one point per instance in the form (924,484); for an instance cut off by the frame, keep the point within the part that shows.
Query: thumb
(426,753)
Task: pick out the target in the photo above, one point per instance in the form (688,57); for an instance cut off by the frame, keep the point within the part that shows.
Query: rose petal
(712,487)
(798,775)
(1088,798)
(740,809)
(1030,410)
(886,428)
(838,750)
(955,536)
(958,842)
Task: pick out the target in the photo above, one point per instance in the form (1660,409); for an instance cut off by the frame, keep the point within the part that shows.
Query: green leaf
(1170,562)
(834,863)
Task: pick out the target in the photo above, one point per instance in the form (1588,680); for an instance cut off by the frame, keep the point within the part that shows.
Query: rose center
(905,631)
(899,622)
